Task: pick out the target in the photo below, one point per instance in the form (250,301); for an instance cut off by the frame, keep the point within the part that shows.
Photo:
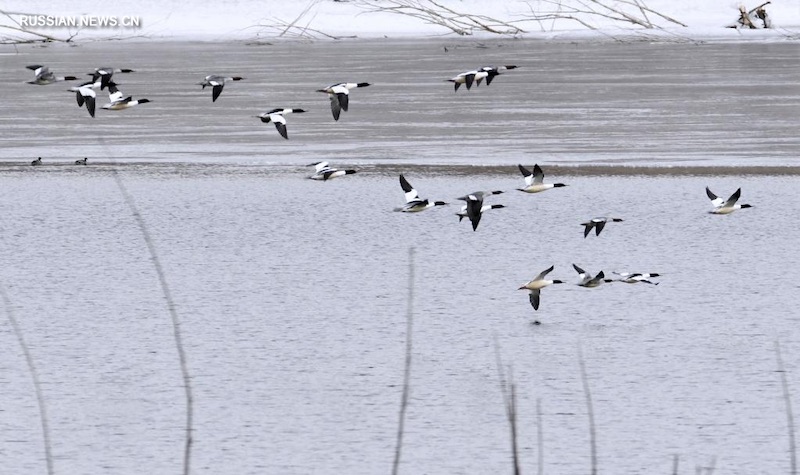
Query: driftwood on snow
(754,18)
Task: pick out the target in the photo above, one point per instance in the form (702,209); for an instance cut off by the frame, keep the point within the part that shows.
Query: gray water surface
(293,294)
(567,103)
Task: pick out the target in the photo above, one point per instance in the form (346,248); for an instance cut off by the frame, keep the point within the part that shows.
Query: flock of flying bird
(534,183)
(338,95)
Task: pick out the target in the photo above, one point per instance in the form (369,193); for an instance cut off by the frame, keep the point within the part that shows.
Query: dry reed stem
(407,365)
(508,390)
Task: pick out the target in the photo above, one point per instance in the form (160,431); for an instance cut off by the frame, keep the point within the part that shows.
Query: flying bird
(477,75)
(474,208)
(414,203)
(322,171)
(463,212)
(728,206)
(598,224)
(535,286)
(43,76)
(534,182)
(103,75)
(217,83)
(635,277)
(587,280)
(339,95)
(276,116)
(117,101)
(86,95)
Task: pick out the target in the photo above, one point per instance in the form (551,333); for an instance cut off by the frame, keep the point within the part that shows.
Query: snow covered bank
(250,19)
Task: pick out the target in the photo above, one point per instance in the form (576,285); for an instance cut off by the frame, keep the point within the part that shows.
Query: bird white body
(216,83)
(324,172)
(85,95)
(534,181)
(635,278)
(477,75)
(276,116)
(42,76)
(587,280)
(118,102)
(535,286)
(726,206)
(414,204)
(339,95)
(597,224)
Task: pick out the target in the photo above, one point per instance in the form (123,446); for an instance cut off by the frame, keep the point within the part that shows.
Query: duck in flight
(464,212)
(43,75)
(85,95)
(636,277)
(535,286)
(727,206)
(414,204)
(587,280)
(322,171)
(474,208)
(477,75)
(117,101)
(276,116)
(217,83)
(103,75)
(534,182)
(339,95)
(598,224)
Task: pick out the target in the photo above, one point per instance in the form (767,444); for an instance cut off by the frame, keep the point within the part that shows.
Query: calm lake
(293,294)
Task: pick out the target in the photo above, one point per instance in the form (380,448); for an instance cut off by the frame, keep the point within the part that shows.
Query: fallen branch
(634,12)
(435,13)
(38,37)
(292,29)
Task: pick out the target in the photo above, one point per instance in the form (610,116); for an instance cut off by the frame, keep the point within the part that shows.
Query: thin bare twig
(435,13)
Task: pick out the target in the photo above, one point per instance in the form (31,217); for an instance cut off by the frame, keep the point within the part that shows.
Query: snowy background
(247,19)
